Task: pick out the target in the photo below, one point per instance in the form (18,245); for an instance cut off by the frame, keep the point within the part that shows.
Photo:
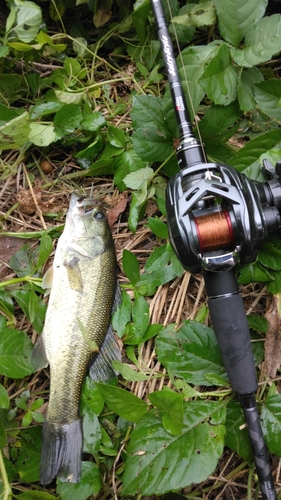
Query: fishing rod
(216,219)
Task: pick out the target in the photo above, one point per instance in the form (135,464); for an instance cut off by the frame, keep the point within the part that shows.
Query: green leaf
(93,121)
(190,352)
(152,143)
(220,79)
(122,315)
(254,149)
(42,135)
(36,495)
(261,42)
(32,305)
(3,437)
(135,180)
(92,434)
(140,317)
(4,398)
(14,133)
(122,402)
(254,273)
(270,256)
(45,249)
(271,423)
(15,349)
(171,403)
(275,286)
(89,485)
(28,460)
(202,14)
(67,119)
(127,372)
(257,323)
(158,462)
(248,78)
(158,227)
(236,436)
(124,164)
(268,98)
(29,20)
(131,266)
(91,400)
(237,17)
(116,137)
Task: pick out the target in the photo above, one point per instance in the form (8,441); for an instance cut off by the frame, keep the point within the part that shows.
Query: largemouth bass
(77,335)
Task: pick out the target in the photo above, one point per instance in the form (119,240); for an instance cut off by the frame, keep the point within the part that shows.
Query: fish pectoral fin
(47,281)
(101,369)
(38,356)
(74,274)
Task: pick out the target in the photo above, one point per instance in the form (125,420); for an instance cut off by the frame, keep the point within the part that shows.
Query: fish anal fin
(38,356)
(61,452)
(101,369)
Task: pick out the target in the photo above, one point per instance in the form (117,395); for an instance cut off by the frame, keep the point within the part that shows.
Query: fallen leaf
(117,209)
(273,338)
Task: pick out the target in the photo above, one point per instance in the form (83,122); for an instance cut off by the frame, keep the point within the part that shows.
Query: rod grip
(231,329)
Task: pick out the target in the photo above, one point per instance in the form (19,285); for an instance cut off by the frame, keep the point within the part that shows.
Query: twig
(7,493)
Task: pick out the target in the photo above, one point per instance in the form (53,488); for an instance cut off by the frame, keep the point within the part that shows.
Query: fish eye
(99,216)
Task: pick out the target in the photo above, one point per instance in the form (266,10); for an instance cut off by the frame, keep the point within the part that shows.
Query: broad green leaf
(44,108)
(236,436)
(151,143)
(15,349)
(261,42)
(254,273)
(220,79)
(274,286)
(89,485)
(190,352)
(28,459)
(45,249)
(91,400)
(4,398)
(158,462)
(158,227)
(147,110)
(131,266)
(268,97)
(93,121)
(202,14)
(124,164)
(254,149)
(247,80)
(116,137)
(140,317)
(92,433)
(237,17)
(258,323)
(67,119)
(42,135)
(135,180)
(270,256)
(29,20)
(271,423)
(32,305)
(14,133)
(171,405)
(3,437)
(123,402)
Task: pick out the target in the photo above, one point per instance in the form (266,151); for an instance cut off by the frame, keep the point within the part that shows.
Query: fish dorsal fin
(38,356)
(74,274)
(101,369)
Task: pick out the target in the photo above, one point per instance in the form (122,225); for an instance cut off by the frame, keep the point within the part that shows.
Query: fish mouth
(86,205)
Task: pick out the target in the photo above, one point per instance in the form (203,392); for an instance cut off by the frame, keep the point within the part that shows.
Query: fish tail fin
(61,452)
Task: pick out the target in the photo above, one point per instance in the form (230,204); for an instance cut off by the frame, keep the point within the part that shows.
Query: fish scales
(76,332)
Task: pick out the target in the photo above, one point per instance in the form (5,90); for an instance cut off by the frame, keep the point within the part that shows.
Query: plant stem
(18,280)
(7,493)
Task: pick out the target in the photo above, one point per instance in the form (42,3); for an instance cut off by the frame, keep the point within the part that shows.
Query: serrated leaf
(124,164)
(135,180)
(220,79)
(89,485)
(202,14)
(122,402)
(247,80)
(15,349)
(158,462)
(271,423)
(268,97)
(42,135)
(237,17)
(190,352)
(261,42)
(254,273)
(254,149)
(153,144)
(270,256)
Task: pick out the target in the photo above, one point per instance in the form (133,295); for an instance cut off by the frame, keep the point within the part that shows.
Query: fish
(77,336)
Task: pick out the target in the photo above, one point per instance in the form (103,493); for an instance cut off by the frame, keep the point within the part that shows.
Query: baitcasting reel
(217,216)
